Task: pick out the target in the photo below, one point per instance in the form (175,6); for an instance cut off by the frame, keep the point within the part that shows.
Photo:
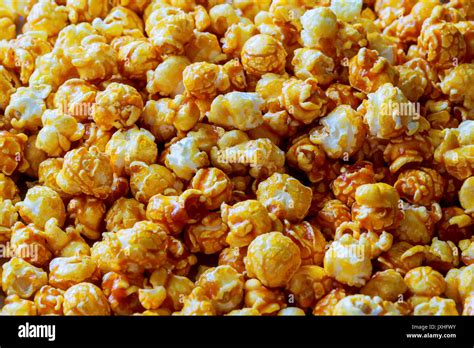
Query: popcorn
(40,204)
(342,132)
(263,54)
(174,157)
(237,110)
(58,132)
(273,258)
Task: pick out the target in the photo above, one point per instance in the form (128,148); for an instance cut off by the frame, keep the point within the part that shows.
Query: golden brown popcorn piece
(308,285)
(121,293)
(29,244)
(54,69)
(342,132)
(207,236)
(58,132)
(388,285)
(149,180)
(12,155)
(214,184)
(65,272)
(20,53)
(240,110)
(124,213)
(455,224)
(204,47)
(309,239)
(388,113)
(14,305)
(466,195)
(34,156)
(224,286)
(26,107)
(405,150)
(118,106)
(455,85)
(174,212)
(179,258)
(263,299)
(185,157)
(262,156)
(72,37)
(296,197)
(376,207)
(442,255)
(47,173)
(197,303)
(151,299)
(418,223)
(95,136)
(308,157)
(169,29)
(273,259)
(313,63)
(136,57)
(21,278)
(8,217)
(269,87)
(235,38)
(87,214)
(86,171)
(420,186)
(94,59)
(85,299)
(345,185)
(425,281)
(49,300)
(233,257)
(246,220)
(135,249)
(455,150)
(8,189)
(7,24)
(76,245)
(305,101)
(165,117)
(325,306)
(40,204)
(120,21)
(401,258)
(436,306)
(342,94)
(263,54)
(368,71)
(204,81)
(467,248)
(47,17)
(129,145)
(86,11)
(331,215)
(441,44)
(177,288)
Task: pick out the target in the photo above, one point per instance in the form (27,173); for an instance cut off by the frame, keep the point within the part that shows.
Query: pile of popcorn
(237,157)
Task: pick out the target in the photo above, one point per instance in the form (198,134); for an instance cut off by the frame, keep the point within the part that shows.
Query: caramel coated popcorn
(270,157)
